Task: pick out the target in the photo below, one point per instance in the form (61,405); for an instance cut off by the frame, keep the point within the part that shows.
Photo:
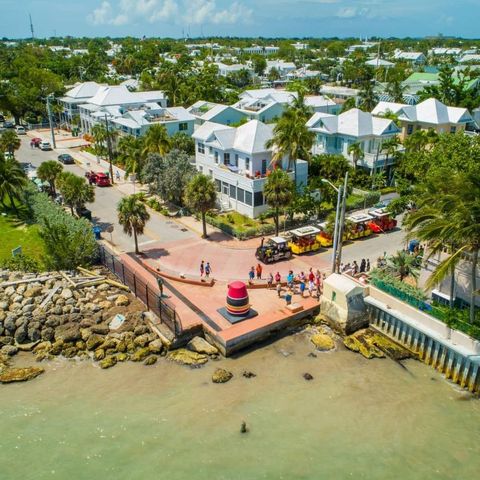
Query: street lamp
(339,221)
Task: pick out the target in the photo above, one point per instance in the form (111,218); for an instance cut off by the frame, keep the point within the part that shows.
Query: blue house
(216,113)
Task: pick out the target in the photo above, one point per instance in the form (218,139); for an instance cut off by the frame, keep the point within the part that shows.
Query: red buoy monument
(237,299)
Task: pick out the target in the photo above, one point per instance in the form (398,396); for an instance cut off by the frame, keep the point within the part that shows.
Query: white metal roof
(359,218)
(305,231)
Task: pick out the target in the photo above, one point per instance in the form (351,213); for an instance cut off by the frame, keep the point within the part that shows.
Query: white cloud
(197,12)
(353,12)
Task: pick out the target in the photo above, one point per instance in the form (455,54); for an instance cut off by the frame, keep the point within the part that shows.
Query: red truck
(98,178)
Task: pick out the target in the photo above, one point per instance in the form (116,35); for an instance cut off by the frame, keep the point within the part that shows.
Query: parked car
(20,130)
(66,159)
(2,118)
(8,125)
(45,146)
(35,141)
(98,178)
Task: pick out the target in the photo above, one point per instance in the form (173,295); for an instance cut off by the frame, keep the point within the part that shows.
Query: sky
(268,18)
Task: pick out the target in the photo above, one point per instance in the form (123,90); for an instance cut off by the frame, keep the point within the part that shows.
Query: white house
(260,50)
(470,57)
(136,121)
(264,104)
(215,112)
(112,101)
(239,162)
(379,63)
(225,70)
(282,67)
(336,133)
(299,46)
(417,58)
(430,114)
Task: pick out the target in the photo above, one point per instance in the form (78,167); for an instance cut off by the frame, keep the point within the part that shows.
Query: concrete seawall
(453,353)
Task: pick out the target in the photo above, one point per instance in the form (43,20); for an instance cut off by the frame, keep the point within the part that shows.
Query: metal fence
(161,307)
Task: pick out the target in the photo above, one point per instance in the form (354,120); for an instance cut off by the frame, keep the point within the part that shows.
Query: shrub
(22,263)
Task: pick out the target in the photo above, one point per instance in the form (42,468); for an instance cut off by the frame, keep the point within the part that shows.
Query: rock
(103,287)
(99,354)
(48,334)
(187,357)
(9,350)
(32,292)
(3,306)
(150,360)
(307,376)
(68,333)
(122,357)
(142,340)
(86,323)
(94,341)
(248,374)
(27,347)
(80,345)
(140,354)
(156,346)
(312,354)
(200,345)
(361,343)
(322,342)
(105,304)
(10,375)
(34,333)
(42,346)
(21,334)
(69,352)
(15,307)
(43,355)
(52,322)
(122,347)
(108,362)
(221,376)
(66,293)
(57,347)
(9,323)
(9,291)
(122,301)
(140,330)
(100,329)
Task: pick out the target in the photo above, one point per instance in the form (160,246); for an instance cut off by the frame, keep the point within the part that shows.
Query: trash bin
(97,231)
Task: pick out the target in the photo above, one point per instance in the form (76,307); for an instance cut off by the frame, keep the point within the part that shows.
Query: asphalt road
(104,208)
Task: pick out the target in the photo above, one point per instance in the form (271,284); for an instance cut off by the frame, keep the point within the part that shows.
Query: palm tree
(156,140)
(201,195)
(75,190)
(133,216)
(48,172)
(403,264)
(130,150)
(12,180)
(291,138)
(390,147)
(448,215)
(356,151)
(10,142)
(278,191)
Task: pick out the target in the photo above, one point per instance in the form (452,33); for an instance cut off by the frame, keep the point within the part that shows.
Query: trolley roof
(305,231)
(379,213)
(277,240)
(360,218)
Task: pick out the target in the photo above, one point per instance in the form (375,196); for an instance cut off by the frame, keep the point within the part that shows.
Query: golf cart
(275,249)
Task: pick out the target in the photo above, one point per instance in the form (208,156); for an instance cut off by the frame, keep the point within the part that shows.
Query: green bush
(154,204)
(22,263)
(390,284)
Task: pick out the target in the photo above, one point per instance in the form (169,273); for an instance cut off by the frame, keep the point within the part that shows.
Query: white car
(20,130)
(44,145)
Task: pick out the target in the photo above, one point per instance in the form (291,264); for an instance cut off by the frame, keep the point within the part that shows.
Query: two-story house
(430,114)
(215,112)
(239,162)
(336,133)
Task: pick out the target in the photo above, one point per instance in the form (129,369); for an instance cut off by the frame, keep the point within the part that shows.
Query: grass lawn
(15,233)
(240,222)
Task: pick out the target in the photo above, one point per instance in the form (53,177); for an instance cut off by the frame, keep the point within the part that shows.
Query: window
(200,169)
(210,172)
(453,129)
(236,160)
(218,185)
(226,158)
(409,129)
(257,199)
(183,126)
(233,191)
(247,164)
(210,150)
(248,198)
(226,189)
(201,148)
(264,166)
(216,157)
(241,195)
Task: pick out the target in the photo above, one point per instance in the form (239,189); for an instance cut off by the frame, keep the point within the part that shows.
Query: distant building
(265,104)
(224,70)
(239,162)
(261,50)
(379,63)
(417,58)
(430,114)
(281,66)
(300,46)
(216,113)
(336,133)
(339,94)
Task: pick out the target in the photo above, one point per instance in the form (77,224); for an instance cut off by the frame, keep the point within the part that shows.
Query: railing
(161,307)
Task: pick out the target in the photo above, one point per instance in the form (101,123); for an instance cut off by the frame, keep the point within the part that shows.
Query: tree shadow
(156,253)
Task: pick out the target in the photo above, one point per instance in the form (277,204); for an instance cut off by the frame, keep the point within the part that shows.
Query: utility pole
(31,26)
(336,230)
(109,149)
(342,224)
(50,121)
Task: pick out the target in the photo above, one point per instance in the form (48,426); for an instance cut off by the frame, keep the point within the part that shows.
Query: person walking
(202,268)
(290,279)
(259,271)
(355,267)
(160,285)
(270,280)
(302,284)
(278,277)
(279,289)
(367,266)
(208,270)
(363,265)
(251,274)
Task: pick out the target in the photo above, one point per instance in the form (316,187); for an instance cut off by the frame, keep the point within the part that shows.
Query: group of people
(353,268)
(205,269)
(312,282)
